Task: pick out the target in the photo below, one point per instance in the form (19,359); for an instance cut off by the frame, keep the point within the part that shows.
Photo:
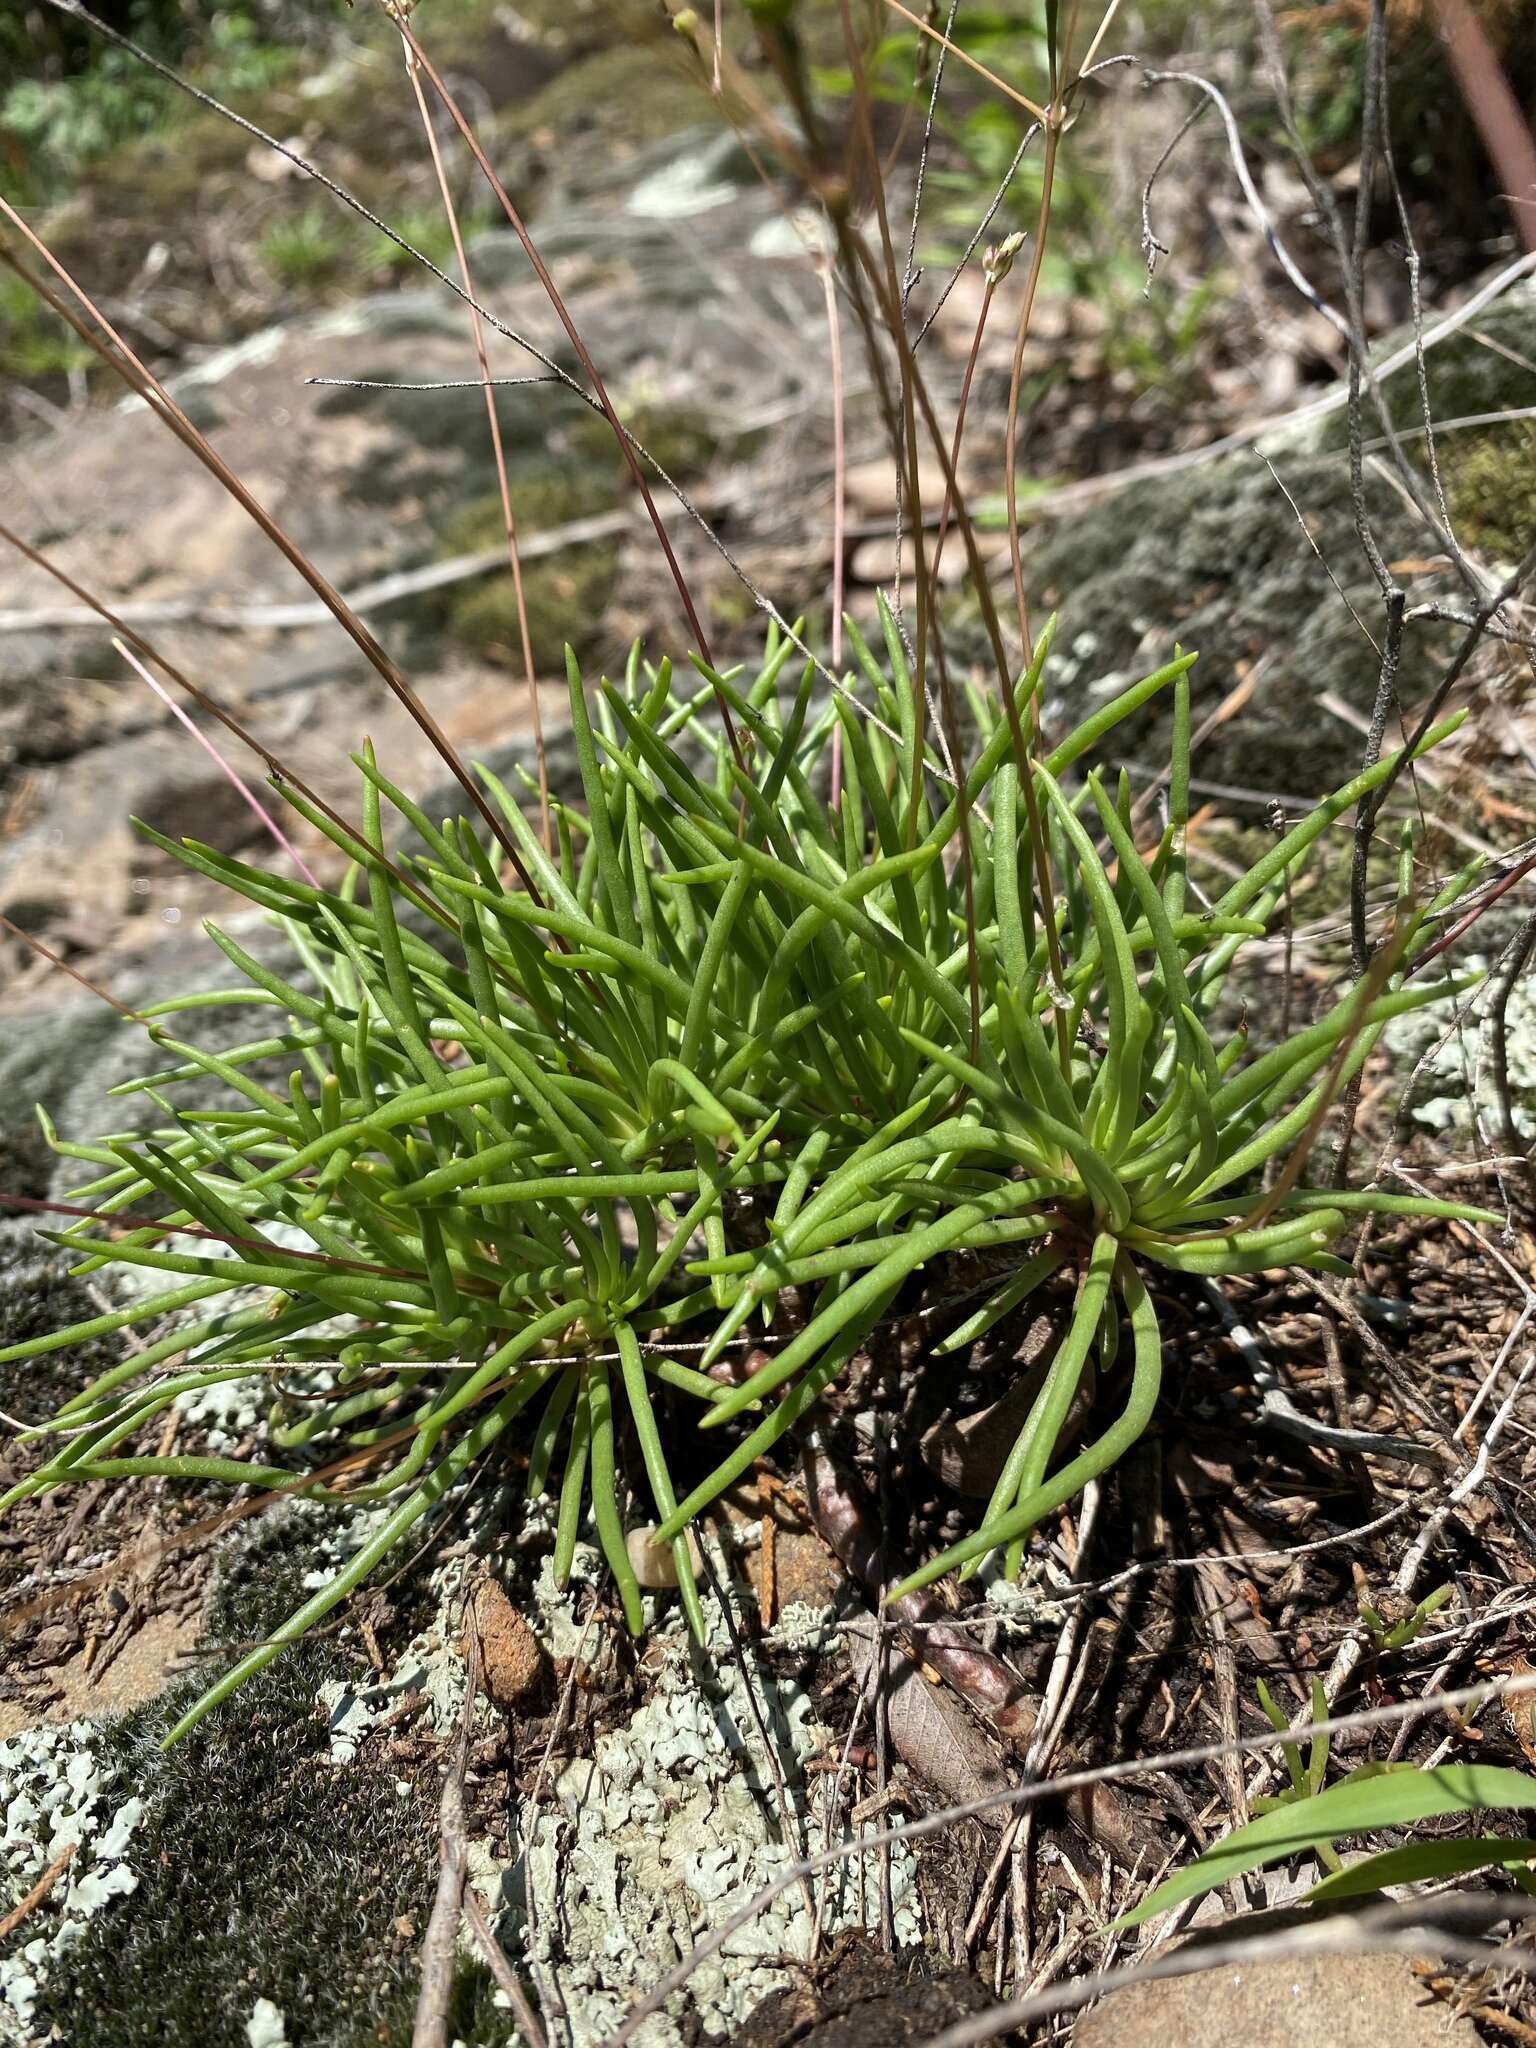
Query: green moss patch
(630,90)
(564,593)
(1490,477)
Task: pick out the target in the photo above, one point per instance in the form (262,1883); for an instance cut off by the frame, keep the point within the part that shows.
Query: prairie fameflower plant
(552,1150)
(802,1003)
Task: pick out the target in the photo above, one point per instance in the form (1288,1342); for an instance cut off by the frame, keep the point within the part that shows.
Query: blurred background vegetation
(204,236)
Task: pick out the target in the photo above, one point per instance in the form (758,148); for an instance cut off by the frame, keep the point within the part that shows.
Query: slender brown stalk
(1039,852)
(122,1220)
(1480,909)
(839,460)
(907,444)
(1499,116)
(39,1891)
(1016,375)
(37,946)
(839,509)
(509,524)
(600,390)
(496,1962)
(998,84)
(1367,989)
(268,822)
(927,618)
(440,1943)
(719,70)
(996,265)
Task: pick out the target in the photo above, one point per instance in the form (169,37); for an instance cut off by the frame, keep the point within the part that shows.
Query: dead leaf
(932,1733)
(1520,1708)
(969,1455)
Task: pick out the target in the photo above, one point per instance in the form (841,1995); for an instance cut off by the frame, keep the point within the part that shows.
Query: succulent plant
(501,1190)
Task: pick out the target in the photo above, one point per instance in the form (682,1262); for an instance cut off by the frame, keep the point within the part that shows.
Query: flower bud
(997,260)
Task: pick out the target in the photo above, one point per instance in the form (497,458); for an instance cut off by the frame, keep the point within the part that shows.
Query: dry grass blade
(493,423)
(506,1977)
(24,1907)
(460,121)
(248,796)
(964,57)
(440,1943)
(35,945)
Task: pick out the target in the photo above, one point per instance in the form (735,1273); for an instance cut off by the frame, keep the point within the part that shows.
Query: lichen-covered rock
(1443,1052)
(301,1819)
(269,1880)
(674,1822)
(1215,558)
(58,1795)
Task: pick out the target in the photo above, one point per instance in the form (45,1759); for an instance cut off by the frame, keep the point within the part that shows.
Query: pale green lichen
(676,1819)
(56,1790)
(1445,1047)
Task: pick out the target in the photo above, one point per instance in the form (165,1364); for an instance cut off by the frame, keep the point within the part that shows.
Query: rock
(1215,558)
(369,483)
(873,489)
(876,561)
(694,181)
(652,1563)
(1344,2001)
(69,1051)
(1215,561)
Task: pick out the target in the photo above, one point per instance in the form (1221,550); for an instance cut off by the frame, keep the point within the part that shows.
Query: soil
(858,1997)
(102,1586)
(93,1684)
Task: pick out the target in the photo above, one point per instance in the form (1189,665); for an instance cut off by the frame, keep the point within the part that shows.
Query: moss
(681,438)
(1490,478)
(475,2019)
(37,1297)
(628,89)
(1482,368)
(1216,561)
(154,177)
(263,1872)
(33,342)
(435,454)
(565,594)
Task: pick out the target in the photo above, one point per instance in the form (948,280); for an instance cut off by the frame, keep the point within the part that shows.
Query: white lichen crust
(675,1821)
(56,1790)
